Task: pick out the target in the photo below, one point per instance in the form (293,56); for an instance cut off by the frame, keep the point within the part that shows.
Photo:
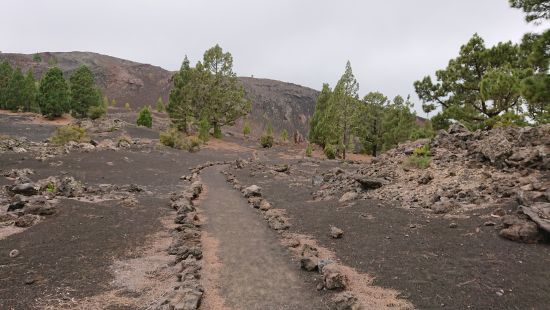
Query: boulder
(334,278)
(349,196)
(369,182)
(26,220)
(265,205)
(336,232)
(539,212)
(309,263)
(255,201)
(425,178)
(496,148)
(519,229)
(252,191)
(346,301)
(25,189)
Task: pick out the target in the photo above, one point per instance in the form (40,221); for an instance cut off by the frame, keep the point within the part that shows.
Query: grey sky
(390,43)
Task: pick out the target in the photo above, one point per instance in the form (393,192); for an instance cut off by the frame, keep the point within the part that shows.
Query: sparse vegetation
(246,129)
(330,151)
(69,133)
(36,58)
(145,118)
(420,157)
(309,150)
(266,140)
(160,106)
(126,106)
(175,139)
(284,135)
(96,112)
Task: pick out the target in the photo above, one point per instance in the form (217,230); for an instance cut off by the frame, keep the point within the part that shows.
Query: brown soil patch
(139,282)
(211,267)
(37,119)
(221,145)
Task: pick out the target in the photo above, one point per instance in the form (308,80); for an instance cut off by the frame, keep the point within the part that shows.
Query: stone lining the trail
(347,284)
(187,251)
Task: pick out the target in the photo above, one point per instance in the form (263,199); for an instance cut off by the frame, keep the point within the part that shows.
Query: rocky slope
(286,105)
(504,170)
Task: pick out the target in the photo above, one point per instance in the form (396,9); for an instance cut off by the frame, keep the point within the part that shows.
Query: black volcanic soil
(434,266)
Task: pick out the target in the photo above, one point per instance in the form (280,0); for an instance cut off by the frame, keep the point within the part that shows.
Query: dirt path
(256,271)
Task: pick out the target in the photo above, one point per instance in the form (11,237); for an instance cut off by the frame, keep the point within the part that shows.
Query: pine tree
(15,93)
(372,116)
(29,93)
(317,130)
(53,95)
(145,118)
(160,105)
(84,95)
(343,110)
(225,99)
(6,72)
(181,107)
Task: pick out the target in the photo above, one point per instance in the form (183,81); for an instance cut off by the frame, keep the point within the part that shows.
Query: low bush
(309,150)
(266,141)
(145,118)
(95,112)
(284,135)
(330,151)
(177,140)
(246,129)
(420,157)
(68,133)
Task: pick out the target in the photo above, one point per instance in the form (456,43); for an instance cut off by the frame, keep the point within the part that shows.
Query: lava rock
(336,232)
(252,191)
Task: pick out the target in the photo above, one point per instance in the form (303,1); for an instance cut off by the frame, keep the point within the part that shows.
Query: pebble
(453,225)
(14,253)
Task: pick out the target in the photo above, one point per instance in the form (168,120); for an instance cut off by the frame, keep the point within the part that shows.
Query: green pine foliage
(266,140)
(36,58)
(536,10)
(211,88)
(145,118)
(204,129)
(6,72)
(420,157)
(483,84)
(330,151)
(84,94)
(15,96)
(53,94)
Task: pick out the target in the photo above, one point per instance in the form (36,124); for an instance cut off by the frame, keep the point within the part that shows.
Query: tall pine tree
(84,94)
(15,93)
(6,72)
(53,95)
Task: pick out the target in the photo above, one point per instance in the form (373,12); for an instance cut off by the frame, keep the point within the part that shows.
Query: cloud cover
(390,43)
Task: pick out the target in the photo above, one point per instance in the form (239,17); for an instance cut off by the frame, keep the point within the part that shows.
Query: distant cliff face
(285,105)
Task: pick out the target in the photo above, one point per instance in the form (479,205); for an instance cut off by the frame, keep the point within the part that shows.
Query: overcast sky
(390,43)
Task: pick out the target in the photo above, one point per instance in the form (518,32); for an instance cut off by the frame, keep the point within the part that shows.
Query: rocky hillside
(286,105)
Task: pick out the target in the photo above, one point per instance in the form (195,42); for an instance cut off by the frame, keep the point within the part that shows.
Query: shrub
(217,132)
(330,151)
(145,118)
(169,137)
(127,106)
(284,135)
(266,141)
(95,112)
(36,58)
(177,140)
(246,129)
(420,157)
(68,133)
(309,150)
